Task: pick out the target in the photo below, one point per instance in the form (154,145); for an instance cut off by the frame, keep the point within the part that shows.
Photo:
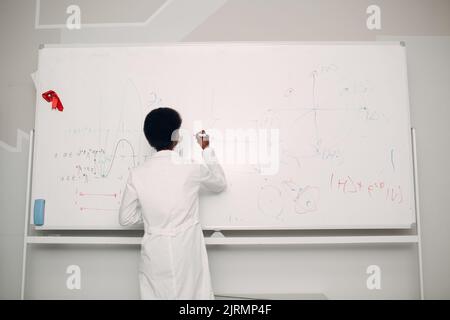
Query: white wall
(110,272)
(429,80)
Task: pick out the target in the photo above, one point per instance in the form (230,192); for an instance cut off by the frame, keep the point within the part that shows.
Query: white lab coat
(163,194)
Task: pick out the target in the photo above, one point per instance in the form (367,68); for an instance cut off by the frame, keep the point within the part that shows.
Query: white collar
(164,153)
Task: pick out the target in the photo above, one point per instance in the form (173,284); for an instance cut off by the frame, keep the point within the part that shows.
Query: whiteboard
(310,135)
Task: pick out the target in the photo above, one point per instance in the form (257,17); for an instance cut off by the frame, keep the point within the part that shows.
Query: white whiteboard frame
(238,43)
(208,43)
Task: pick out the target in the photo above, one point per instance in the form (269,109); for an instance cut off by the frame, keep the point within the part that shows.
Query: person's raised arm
(212,176)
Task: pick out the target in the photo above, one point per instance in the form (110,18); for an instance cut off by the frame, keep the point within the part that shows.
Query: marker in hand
(202,139)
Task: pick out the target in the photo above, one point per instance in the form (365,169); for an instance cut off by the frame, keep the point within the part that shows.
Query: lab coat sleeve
(130,210)
(212,176)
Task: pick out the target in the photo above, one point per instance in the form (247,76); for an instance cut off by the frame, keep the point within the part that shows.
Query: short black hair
(159,125)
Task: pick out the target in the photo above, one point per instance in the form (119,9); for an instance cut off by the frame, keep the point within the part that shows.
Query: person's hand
(202,139)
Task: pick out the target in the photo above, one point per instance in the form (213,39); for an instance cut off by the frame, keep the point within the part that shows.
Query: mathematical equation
(350,185)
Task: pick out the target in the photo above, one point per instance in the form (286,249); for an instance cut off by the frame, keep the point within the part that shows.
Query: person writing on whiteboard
(164,195)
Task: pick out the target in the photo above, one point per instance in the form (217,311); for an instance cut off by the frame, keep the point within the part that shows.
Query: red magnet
(51,96)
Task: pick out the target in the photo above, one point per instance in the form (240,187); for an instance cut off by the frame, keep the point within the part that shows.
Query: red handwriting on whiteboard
(351,185)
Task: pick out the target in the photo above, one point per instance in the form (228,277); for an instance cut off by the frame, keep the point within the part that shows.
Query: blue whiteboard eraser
(39,210)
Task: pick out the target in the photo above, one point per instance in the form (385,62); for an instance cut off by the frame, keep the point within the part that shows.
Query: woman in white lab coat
(163,194)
